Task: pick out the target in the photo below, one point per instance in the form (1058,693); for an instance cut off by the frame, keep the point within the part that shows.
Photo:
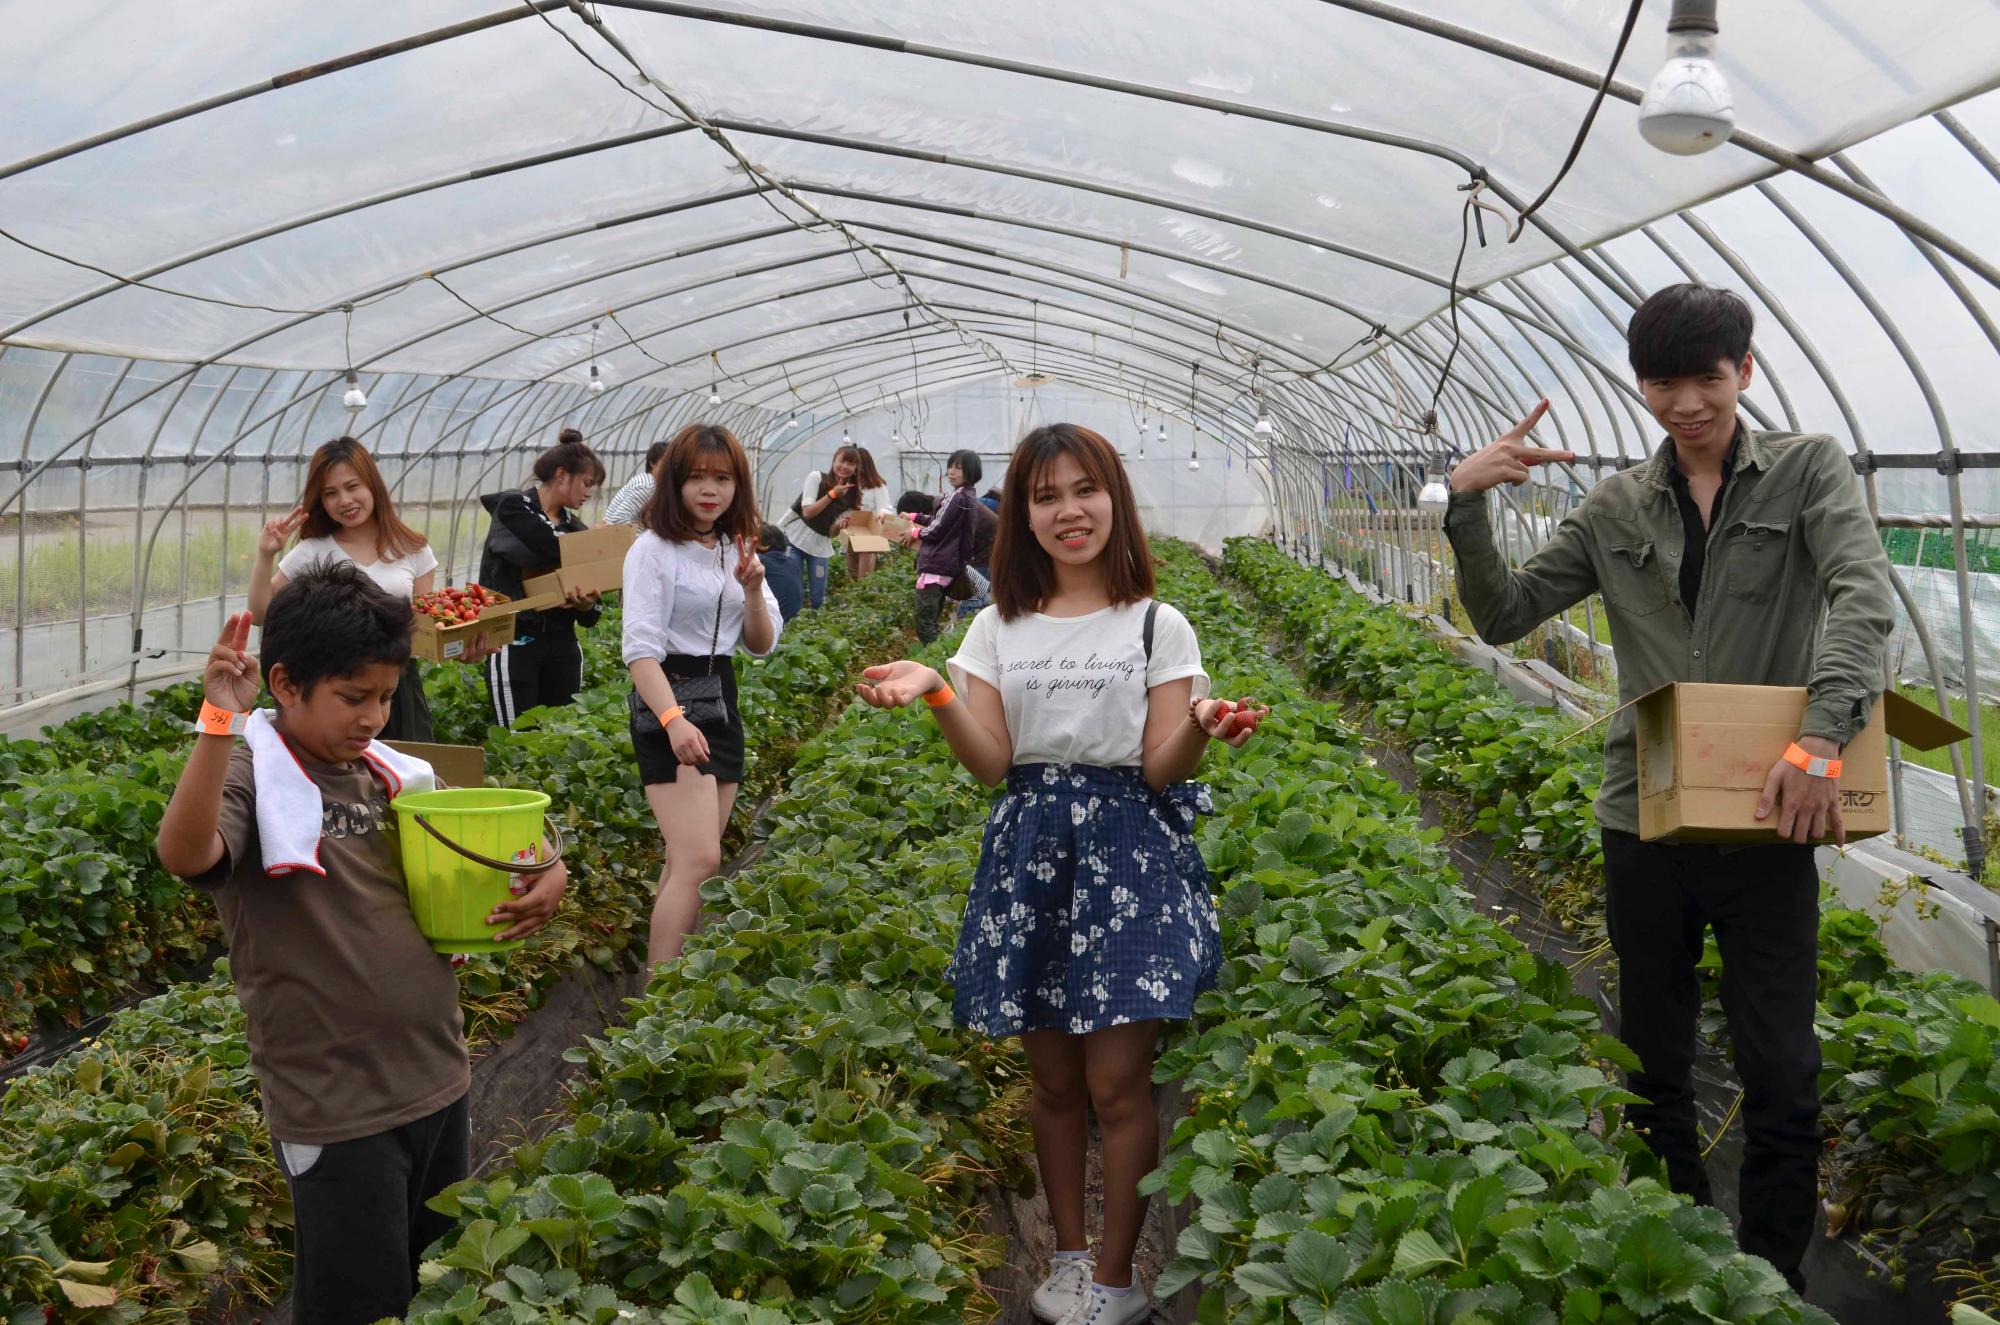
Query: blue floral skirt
(1091,906)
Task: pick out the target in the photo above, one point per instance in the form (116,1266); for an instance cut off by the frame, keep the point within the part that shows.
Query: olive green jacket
(1795,589)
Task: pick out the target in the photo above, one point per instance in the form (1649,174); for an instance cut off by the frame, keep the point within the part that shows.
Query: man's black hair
(332,621)
(1685,330)
(969,468)
(770,538)
(913,502)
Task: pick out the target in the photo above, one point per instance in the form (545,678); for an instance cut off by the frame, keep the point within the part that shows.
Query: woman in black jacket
(544,664)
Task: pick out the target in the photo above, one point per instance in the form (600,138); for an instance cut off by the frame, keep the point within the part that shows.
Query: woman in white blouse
(345,515)
(825,501)
(874,497)
(694,590)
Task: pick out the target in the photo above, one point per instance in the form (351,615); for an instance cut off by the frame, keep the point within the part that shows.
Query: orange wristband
(667,718)
(1811,765)
(216,721)
(939,698)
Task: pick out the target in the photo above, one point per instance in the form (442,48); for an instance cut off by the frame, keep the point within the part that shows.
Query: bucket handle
(506,866)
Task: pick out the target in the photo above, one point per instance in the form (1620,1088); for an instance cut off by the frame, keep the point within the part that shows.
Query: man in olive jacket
(1731,556)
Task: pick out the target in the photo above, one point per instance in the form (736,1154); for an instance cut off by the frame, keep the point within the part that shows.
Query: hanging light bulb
(1194,462)
(1688,108)
(1436,493)
(845,440)
(714,396)
(1163,431)
(355,399)
(789,424)
(596,382)
(1264,426)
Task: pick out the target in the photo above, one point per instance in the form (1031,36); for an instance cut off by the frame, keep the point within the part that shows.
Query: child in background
(1089,921)
(781,572)
(356,1035)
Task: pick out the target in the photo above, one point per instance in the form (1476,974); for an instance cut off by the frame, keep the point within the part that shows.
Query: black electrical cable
(1589,118)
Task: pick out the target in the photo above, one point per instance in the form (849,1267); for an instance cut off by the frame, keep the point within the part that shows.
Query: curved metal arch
(1781,157)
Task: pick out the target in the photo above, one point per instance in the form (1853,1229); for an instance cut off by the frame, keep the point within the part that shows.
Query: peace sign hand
(278,529)
(749,567)
(1507,459)
(231,679)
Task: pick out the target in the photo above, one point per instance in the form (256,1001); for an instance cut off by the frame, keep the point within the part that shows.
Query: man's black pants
(1763,903)
(360,1218)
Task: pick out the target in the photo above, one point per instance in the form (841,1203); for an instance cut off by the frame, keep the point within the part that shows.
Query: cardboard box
(1704,751)
(433,641)
(456,765)
(871,531)
(593,561)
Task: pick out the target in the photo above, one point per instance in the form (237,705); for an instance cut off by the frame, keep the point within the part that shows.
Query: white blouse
(397,575)
(670,594)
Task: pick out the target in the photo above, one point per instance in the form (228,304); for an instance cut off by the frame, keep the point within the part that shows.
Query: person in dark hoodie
(946,544)
(781,571)
(544,664)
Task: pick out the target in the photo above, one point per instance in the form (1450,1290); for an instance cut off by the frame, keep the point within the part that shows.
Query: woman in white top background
(1089,921)
(631,499)
(694,591)
(345,515)
(874,491)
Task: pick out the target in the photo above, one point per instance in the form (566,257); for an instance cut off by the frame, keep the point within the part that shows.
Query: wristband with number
(1812,765)
(937,699)
(667,718)
(215,721)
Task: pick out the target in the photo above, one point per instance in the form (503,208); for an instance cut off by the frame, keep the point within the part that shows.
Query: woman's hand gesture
(1231,723)
(895,684)
(749,568)
(278,529)
(231,679)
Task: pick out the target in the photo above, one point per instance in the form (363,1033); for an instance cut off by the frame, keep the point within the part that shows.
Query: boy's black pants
(1763,903)
(360,1219)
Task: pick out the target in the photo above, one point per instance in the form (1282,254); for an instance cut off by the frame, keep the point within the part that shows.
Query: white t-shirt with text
(397,575)
(1075,688)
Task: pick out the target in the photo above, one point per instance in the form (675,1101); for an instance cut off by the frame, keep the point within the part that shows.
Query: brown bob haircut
(665,514)
(1023,572)
(866,475)
(393,538)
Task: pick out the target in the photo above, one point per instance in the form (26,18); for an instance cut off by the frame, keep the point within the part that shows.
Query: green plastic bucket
(459,848)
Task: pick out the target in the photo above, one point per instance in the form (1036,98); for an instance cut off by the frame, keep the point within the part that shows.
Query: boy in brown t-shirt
(354,1025)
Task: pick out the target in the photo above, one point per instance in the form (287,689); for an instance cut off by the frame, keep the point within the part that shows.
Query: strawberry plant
(1910,1088)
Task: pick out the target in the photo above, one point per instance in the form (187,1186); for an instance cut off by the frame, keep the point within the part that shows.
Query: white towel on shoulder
(290,809)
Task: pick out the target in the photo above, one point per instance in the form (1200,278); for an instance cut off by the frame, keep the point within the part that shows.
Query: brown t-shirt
(355,1025)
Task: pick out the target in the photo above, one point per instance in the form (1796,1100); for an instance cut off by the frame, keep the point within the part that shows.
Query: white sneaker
(1069,1280)
(1097,1307)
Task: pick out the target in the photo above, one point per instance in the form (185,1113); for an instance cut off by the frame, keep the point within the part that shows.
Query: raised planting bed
(1912,1083)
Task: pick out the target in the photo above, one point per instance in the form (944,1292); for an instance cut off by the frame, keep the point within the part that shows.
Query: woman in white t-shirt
(345,515)
(874,491)
(825,501)
(1089,921)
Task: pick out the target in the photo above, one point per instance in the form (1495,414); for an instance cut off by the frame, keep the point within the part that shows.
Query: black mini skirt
(657,762)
